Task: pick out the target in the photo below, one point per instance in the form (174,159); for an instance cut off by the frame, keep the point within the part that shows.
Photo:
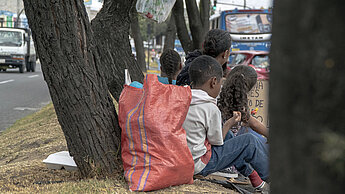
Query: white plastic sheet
(157,10)
(60,160)
(128,79)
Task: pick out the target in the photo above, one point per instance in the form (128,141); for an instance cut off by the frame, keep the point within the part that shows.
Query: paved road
(21,94)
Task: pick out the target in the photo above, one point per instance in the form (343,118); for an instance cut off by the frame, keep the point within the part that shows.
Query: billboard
(249,23)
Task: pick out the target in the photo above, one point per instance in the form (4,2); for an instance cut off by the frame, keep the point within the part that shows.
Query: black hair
(233,96)
(170,61)
(203,68)
(216,42)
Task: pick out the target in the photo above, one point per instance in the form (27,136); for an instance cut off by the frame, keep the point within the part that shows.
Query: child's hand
(236,116)
(234,119)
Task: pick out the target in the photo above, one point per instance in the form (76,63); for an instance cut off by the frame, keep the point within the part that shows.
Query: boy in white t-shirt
(212,145)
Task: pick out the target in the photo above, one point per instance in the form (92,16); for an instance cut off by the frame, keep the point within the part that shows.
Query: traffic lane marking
(32,76)
(6,81)
(26,108)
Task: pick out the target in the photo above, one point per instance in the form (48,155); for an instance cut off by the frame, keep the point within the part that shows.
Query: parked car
(259,60)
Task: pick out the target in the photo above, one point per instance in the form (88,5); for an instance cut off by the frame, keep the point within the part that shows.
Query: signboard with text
(258,101)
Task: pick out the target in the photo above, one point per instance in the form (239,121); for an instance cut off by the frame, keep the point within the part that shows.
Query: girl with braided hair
(171,66)
(233,97)
(217,45)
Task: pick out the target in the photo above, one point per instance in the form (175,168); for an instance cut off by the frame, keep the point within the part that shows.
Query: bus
(250,29)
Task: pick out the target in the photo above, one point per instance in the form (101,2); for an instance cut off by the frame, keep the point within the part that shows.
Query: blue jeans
(246,152)
(244,130)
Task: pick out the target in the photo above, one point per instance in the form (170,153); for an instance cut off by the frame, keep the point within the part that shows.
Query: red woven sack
(154,146)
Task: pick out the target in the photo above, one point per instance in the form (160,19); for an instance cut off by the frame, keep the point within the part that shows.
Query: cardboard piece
(258,99)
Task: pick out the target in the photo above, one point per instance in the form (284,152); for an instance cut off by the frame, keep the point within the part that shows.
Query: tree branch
(195,24)
(182,31)
(205,16)
(111,30)
(170,34)
(138,40)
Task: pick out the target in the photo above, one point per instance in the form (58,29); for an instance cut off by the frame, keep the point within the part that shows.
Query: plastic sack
(128,79)
(153,143)
(157,10)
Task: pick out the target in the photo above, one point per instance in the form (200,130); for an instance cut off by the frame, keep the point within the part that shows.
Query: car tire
(33,66)
(28,66)
(21,68)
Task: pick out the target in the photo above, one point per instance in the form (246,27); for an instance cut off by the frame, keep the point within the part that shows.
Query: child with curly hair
(211,144)
(233,97)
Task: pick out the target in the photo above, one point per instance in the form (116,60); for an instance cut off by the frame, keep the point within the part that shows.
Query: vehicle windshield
(10,38)
(261,61)
(249,23)
(238,59)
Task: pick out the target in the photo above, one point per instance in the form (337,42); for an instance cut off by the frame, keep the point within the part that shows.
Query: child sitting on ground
(210,143)
(233,97)
(170,67)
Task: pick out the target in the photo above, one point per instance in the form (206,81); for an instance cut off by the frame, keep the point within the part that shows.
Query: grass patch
(30,140)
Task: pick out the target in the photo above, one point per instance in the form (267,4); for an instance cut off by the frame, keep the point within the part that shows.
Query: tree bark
(205,17)
(70,63)
(111,31)
(170,34)
(307,135)
(182,31)
(138,40)
(195,24)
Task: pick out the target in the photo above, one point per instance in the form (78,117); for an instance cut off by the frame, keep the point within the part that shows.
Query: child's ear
(226,54)
(213,82)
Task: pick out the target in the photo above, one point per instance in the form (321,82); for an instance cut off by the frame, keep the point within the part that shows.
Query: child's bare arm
(231,122)
(258,126)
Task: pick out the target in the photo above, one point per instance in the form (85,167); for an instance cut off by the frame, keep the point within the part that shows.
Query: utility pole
(18,10)
(245,2)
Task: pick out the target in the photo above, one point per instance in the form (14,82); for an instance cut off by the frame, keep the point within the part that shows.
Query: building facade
(11,5)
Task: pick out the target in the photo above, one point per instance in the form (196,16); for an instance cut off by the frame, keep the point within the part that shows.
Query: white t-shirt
(203,127)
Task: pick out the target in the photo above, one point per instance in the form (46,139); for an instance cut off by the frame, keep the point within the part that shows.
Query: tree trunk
(70,62)
(307,136)
(170,34)
(138,40)
(205,17)
(182,31)
(111,31)
(199,23)
(195,24)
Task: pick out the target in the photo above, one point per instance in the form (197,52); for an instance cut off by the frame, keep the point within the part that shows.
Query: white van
(17,49)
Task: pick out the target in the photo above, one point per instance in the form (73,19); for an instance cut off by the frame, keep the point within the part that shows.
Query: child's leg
(245,130)
(229,135)
(244,152)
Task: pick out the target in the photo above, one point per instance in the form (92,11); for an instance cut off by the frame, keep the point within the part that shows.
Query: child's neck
(164,75)
(203,88)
